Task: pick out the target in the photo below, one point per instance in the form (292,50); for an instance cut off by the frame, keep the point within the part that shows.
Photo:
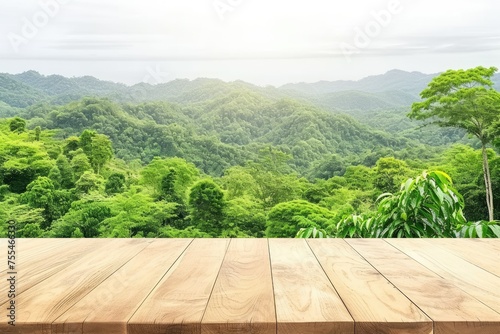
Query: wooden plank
(124,291)
(451,309)
(51,262)
(374,303)
(242,300)
(29,250)
(39,306)
(306,301)
(493,242)
(178,302)
(477,253)
(479,283)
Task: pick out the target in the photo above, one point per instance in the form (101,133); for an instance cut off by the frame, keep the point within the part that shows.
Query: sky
(265,42)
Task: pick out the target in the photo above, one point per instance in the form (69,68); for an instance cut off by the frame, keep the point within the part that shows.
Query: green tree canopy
(285,219)
(17,125)
(207,205)
(464,99)
(101,151)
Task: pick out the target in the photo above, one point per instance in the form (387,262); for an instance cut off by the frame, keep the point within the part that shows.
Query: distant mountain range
(394,80)
(302,118)
(393,89)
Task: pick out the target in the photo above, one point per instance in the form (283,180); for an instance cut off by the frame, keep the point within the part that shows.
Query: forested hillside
(81,157)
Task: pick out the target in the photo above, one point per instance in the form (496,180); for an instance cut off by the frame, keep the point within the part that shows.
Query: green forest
(397,155)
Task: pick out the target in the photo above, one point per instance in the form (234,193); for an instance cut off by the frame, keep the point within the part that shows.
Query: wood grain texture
(479,283)
(125,290)
(39,306)
(375,304)
(306,301)
(451,309)
(178,302)
(478,253)
(50,261)
(242,300)
(30,250)
(112,286)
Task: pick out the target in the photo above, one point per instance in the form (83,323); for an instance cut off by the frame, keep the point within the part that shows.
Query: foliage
(207,206)
(481,229)
(17,125)
(311,232)
(285,219)
(355,226)
(88,182)
(185,175)
(427,206)
(464,99)
(230,160)
(101,152)
(115,184)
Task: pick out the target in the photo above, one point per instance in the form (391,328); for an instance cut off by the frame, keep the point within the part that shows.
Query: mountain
(360,100)
(57,85)
(380,102)
(409,82)
(17,94)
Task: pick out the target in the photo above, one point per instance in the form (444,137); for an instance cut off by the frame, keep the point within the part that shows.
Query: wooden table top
(256,286)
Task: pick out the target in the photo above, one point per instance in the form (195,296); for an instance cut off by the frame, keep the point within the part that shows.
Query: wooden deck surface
(258,286)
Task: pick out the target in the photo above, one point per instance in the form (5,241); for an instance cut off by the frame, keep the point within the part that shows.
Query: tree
(274,183)
(85,141)
(17,125)
(389,174)
(38,131)
(72,144)
(186,174)
(115,184)
(465,166)
(464,99)
(80,164)
(55,176)
(84,219)
(101,151)
(65,170)
(135,212)
(238,182)
(168,187)
(427,206)
(285,219)
(88,182)
(207,205)
(91,219)
(40,194)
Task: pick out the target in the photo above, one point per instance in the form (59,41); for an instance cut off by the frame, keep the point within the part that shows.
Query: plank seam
(394,285)
(41,281)
(215,281)
(334,288)
(445,279)
(272,283)
(111,274)
(446,249)
(154,287)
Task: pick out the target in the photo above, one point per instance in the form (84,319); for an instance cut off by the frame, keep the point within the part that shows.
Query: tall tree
(207,204)
(38,131)
(464,99)
(85,141)
(101,152)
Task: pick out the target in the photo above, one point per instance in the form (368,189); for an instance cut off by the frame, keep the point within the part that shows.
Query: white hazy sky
(259,41)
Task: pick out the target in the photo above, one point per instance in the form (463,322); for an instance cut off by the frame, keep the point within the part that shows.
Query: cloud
(422,34)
